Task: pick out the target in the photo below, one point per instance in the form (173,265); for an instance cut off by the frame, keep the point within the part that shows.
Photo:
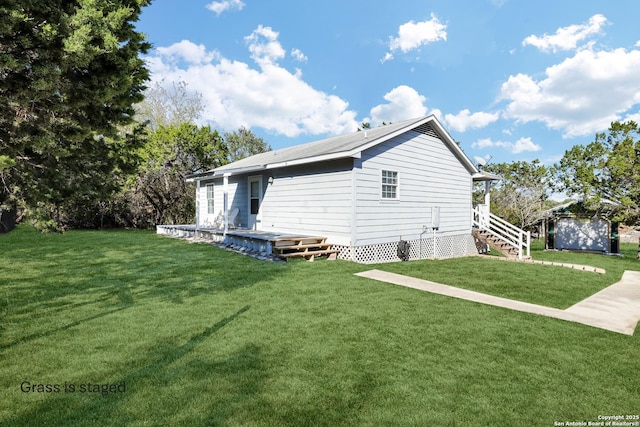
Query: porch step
(331,254)
(496,243)
(307,247)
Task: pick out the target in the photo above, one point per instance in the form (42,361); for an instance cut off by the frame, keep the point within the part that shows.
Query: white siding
(342,200)
(237,189)
(429,175)
(314,199)
(201,204)
(237,199)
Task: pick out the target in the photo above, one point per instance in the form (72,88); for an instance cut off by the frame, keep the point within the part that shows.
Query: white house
(365,192)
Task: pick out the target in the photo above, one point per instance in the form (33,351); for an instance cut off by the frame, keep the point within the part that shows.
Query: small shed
(575,226)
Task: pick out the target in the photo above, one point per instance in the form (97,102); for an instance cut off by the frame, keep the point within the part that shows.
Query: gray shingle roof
(338,146)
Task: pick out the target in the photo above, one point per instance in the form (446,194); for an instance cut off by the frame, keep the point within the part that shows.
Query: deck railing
(505,231)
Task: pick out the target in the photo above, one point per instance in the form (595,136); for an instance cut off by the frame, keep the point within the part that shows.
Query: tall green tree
(244,143)
(521,194)
(160,191)
(70,72)
(606,169)
(167,105)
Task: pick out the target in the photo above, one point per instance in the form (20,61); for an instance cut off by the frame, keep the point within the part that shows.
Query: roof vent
(427,129)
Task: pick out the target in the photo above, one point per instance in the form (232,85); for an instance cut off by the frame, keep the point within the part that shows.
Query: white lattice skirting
(445,247)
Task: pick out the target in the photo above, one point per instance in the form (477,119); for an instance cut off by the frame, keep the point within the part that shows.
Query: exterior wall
(312,200)
(237,199)
(592,234)
(342,200)
(429,175)
(202,217)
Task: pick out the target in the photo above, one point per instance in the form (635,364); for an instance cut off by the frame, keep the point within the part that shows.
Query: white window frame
(384,182)
(210,190)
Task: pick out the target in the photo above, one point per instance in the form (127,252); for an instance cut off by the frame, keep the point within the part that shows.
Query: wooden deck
(281,245)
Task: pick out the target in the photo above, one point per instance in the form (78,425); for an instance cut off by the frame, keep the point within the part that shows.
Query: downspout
(225,203)
(357,163)
(424,230)
(487,194)
(197,205)
(487,204)
(435,226)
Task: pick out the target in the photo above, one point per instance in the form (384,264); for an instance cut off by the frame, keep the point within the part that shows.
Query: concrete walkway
(616,308)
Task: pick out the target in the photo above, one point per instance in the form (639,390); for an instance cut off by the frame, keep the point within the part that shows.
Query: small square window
(389,185)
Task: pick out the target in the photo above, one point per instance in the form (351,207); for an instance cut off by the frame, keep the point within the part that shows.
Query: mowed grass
(190,335)
(552,286)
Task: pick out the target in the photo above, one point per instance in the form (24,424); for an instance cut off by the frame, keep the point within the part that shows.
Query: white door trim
(254,203)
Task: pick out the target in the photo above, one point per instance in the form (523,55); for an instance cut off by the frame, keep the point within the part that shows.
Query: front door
(255,199)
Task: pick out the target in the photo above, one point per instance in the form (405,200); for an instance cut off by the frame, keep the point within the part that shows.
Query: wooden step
(308,246)
(496,243)
(310,255)
(303,247)
(297,241)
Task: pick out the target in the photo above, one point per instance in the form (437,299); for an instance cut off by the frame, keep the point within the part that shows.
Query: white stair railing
(505,231)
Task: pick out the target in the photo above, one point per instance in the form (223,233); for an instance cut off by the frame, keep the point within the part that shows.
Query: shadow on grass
(50,332)
(244,370)
(46,276)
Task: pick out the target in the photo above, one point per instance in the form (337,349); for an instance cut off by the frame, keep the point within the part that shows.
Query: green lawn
(189,335)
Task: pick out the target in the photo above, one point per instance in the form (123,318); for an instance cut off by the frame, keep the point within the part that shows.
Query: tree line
(604,174)
(85,143)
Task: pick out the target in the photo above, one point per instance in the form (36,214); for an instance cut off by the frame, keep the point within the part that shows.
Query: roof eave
(486,176)
(217,173)
(353,153)
(315,159)
(454,146)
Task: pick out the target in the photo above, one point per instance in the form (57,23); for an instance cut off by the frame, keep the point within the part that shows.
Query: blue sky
(515,80)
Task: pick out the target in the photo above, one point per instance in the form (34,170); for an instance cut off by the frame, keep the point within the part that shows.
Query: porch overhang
(218,173)
(485,176)
(225,172)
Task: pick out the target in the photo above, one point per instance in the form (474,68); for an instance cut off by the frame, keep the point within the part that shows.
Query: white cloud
(264,45)
(220,6)
(581,95)
(520,146)
(487,143)
(465,120)
(298,55)
(188,52)
(567,38)
(387,57)
(524,144)
(412,35)
(632,117)
(404,103)
(267,96)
